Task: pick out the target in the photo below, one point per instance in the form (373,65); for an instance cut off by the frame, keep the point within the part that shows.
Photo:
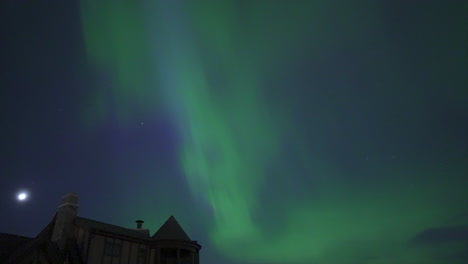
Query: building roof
(85,222)
(43,243)
(171,230)
(9,243)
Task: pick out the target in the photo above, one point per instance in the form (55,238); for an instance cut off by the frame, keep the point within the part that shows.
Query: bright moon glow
(22,196)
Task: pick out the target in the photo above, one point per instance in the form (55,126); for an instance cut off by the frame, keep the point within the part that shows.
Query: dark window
(169,256)
(185,256)
(112,249)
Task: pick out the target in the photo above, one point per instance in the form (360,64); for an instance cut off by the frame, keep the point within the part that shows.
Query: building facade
(71,239)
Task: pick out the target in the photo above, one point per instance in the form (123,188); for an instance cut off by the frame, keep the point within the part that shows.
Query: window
(169,256)
(112,249)
(185,256)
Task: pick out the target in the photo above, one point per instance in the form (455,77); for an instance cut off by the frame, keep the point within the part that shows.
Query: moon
(22,196)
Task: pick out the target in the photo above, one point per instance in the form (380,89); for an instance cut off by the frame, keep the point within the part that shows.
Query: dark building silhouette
(71,239)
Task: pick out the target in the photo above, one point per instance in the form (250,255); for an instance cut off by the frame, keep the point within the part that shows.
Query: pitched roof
(171,230)
(85,222)
(9,243)
(48,248)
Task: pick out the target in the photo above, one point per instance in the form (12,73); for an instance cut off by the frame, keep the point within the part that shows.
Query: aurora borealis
(316,132)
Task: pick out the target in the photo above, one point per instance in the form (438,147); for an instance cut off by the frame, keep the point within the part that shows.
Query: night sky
(276,132)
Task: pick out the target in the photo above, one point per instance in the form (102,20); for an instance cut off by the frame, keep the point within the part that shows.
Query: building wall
(109,250)
(104,248)
(82,239)
(94,253)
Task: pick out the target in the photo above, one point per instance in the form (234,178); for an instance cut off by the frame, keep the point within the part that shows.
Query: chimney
(67,211)
(139,223)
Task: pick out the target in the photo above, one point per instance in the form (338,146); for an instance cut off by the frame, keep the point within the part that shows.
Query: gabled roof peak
(171,230)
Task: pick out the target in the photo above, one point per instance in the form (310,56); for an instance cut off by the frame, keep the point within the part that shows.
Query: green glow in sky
(212,64)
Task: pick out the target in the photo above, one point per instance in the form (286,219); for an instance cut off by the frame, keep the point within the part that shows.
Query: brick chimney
(67,211)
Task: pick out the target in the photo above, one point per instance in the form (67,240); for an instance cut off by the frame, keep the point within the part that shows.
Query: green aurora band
(212,68)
